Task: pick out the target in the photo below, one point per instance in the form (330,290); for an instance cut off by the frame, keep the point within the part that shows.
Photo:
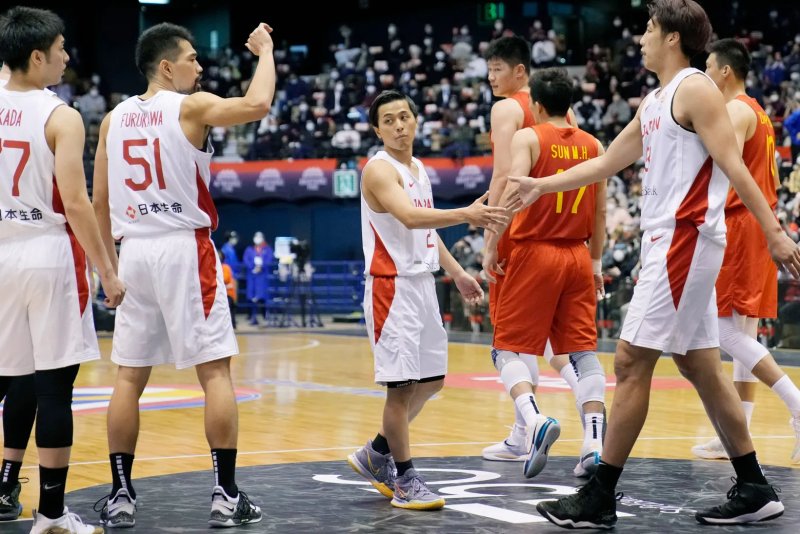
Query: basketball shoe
(713,450)
(592,506)
(538,440)
(10,507)
(68,523)
(747,503)
(231,512)
(511,449)
(118,511)
(411,493)
(377,468)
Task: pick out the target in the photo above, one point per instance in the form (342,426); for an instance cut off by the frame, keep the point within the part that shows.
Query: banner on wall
(253,181)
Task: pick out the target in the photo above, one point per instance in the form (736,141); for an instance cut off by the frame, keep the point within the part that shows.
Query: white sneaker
(68,523)
(538,440)
(713,450)
(589,460)
(795,422)
(118,511)
(511,449)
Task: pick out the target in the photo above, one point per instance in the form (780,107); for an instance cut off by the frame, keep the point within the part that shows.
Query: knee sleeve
(533,366)
(740,374)
(19,412)
(54,399)
(734,340)
(591,378)
(512,369)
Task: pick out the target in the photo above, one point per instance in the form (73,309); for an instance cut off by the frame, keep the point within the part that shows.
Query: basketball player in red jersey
(686,137)
(747,286)
(551,265)
(508,59)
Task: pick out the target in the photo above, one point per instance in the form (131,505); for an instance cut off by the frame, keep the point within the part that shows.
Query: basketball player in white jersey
(19,413)
(46,325)
(402,250)
(689,146)
(152,170)
(747,286)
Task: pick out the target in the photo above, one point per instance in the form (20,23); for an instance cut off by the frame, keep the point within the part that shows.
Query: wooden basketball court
(310,397)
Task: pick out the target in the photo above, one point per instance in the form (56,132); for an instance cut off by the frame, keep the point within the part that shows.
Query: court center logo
(490,495)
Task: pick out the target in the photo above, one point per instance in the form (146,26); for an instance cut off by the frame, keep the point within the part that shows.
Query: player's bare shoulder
(507,109)
(64,121)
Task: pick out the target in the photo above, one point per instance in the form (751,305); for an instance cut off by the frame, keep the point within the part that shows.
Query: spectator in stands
(92,106)
(792,126)
(474,238)
(589,115)
(463,253)
(229,254)
(617,116)
(543,53)
(258,259)
(347,139)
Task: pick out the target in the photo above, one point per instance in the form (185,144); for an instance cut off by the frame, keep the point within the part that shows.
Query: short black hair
(687,18)
(162,41)
(512,49)
(732,53)
(25,29)
(384,98)
(552,88)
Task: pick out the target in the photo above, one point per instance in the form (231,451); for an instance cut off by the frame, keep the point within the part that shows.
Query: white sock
(526,404)
(519,419)
(748,411)
(788,393)
(568,374)
(593,427)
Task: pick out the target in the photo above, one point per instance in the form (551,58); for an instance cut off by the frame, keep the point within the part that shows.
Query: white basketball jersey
(681,182)
(29,199)
(157,180)
(391,249)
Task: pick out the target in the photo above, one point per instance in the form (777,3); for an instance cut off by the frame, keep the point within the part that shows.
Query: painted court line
(353,447)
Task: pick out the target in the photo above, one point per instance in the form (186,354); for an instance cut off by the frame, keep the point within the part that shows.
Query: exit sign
(488,12)
(345,183)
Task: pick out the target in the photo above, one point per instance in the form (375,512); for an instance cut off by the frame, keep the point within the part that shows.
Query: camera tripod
(301,294)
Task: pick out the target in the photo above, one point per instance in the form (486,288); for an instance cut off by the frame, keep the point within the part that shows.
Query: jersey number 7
(144,164)
(26,154)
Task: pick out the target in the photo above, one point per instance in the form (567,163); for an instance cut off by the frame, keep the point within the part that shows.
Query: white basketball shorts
(405,328)
(45,310)
(674,306)
(175,309)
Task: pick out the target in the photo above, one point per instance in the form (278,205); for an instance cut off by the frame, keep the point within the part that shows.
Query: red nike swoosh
(655,238)
(410,184)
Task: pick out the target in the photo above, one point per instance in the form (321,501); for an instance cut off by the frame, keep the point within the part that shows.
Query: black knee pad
(54,399)
(19,412)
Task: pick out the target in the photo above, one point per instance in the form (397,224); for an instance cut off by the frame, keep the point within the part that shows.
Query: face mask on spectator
(631,52)
(619,255)
(258,239)
(587,99)
(93,91)
(651,81)
(461,121)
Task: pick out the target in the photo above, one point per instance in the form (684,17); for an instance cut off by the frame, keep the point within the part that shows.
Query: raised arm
(384,194)
(211,110)
(625,150)
(702,106)
(65,133)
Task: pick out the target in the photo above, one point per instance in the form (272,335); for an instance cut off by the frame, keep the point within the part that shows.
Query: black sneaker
(228,512)
(10,507)
(591,507)
(747,503)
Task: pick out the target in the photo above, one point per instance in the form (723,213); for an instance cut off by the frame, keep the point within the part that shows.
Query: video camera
(301,251)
